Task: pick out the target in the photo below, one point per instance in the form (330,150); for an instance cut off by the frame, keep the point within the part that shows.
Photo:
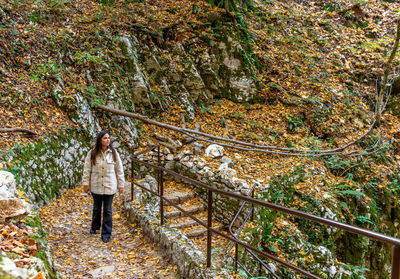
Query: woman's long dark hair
(97,148)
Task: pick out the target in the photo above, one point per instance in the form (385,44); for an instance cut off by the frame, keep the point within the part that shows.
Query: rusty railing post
(209,225)
(159,171)
(252,207)
(236,256)
(132,179)
(395,262)
(161,198)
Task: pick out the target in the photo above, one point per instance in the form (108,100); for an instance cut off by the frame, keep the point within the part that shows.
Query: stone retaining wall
(223,178)
(47,168)
(171,242)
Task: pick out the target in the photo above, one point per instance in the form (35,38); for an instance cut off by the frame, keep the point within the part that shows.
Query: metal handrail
(395,242)
(236,236)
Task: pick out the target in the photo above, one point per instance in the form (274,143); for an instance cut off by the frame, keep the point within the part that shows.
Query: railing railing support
(395,262)
(395,242)
(132,180)
(209,225)
(236,256)
(252,207)
(161,198)
(160,186)
(159,170)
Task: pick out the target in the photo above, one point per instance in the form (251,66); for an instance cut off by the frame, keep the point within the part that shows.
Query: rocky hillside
(293,74)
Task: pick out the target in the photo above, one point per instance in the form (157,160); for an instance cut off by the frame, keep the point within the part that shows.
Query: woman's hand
(120,190)
(86,188)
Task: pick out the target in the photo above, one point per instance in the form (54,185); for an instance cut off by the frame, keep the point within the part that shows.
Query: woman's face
(105,141)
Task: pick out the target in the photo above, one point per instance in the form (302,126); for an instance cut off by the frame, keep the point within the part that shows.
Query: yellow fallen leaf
(40,275)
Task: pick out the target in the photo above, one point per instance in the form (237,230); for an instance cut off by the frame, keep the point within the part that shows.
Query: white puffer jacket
(106,176)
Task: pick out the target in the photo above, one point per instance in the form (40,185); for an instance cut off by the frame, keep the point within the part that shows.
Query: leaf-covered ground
(18,242)
(304,183)
(67,224)
(319,59)
(258,124)
(315,62)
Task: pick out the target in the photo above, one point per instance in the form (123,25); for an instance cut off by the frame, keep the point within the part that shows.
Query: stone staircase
(188,200)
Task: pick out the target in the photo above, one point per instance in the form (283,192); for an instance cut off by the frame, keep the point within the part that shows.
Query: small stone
(170,165)
(199,165)
(214,151)
(152,182)
(197,148)
(102,271)
(170,157)
(180,155)
(225,171)
(227,161)
(189,164)
(161,137)
(239,183)
(187,140)
(186,158)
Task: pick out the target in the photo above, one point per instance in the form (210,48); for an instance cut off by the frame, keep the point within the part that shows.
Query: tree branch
(255,147)
(17,129)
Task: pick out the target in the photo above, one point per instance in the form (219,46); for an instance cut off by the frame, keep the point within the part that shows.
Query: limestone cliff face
(153,82)
(143,77)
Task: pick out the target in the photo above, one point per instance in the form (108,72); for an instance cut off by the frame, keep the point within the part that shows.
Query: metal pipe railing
(236,236)
(395,273)
(209,225)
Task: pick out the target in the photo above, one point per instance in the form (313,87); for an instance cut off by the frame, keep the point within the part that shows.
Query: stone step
(179,197)
(199,232)
(187,224)
(176,213)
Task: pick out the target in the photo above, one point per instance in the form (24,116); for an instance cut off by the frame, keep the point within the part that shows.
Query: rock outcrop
(11,207)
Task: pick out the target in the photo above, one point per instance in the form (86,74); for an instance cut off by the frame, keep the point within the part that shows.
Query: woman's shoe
(105,239)
(93,231)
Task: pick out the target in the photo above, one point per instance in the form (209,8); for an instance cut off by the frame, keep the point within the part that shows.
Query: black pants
(106,202)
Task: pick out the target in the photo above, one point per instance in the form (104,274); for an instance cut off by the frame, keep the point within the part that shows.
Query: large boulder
(7,185)
(11,207)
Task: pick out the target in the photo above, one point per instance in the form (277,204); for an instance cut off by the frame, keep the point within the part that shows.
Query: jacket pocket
(110,167)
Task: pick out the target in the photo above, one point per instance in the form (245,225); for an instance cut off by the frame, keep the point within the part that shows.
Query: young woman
(103,175)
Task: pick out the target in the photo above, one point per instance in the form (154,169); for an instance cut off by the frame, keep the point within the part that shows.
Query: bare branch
(258,148)
(227,128)
(17,129)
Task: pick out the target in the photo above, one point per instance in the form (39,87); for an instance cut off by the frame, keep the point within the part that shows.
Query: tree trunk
(227,6)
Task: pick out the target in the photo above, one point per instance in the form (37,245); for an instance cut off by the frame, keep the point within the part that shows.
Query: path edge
(172,243)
